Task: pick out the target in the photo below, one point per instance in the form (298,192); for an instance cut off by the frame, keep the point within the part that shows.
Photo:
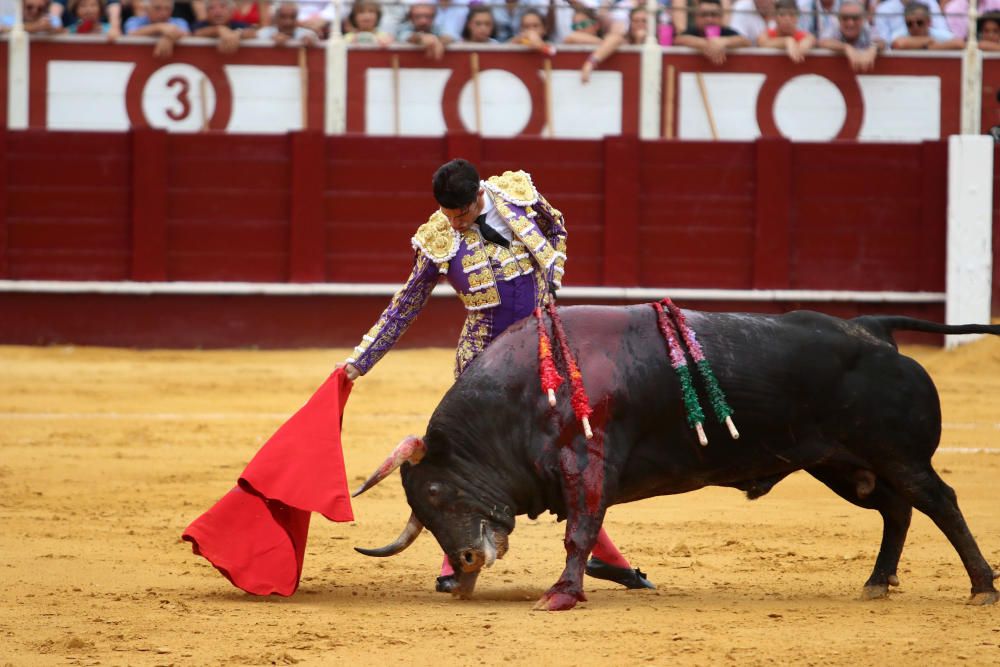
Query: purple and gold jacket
(473,266)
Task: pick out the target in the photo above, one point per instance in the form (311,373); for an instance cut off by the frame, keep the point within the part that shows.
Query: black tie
(490,234)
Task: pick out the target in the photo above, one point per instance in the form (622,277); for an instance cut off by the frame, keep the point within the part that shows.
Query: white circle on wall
(809,107)
(178,98)
(504,100)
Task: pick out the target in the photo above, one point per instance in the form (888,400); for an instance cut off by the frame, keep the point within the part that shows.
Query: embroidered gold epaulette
(436,239)
(514,186)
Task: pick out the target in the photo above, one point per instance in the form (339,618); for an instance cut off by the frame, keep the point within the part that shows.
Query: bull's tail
(889,323)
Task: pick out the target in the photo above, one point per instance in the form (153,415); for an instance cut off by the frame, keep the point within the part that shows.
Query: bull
(810,392)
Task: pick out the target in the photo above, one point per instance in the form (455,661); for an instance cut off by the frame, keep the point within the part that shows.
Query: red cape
(256,534)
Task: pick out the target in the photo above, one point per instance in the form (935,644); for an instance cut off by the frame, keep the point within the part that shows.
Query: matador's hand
(350,370)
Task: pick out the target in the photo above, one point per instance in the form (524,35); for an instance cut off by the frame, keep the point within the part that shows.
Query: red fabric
(256,534)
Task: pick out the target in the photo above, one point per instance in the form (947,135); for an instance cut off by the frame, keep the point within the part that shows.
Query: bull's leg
(581,535)
(582,467)
(933,497)
(864,489)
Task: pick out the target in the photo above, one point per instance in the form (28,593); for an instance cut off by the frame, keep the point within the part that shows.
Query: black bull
(809,392)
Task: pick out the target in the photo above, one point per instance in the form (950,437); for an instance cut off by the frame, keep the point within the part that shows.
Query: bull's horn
(405,539)
(411,449)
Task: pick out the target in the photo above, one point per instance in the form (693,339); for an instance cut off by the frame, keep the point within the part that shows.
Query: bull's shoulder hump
(436,239)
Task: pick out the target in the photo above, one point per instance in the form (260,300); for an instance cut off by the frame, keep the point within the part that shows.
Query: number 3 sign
(179,97)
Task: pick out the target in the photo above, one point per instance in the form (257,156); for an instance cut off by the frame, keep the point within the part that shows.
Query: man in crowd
(708,35)
(854,37)
(920,34)
(285,26)
(158,21)
(419,29)
(220,24)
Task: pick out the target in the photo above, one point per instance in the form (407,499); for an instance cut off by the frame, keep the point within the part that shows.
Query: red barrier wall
(150,206)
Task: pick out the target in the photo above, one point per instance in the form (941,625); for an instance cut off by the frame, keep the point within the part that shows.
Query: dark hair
(915,7)
(534,12)
(478,9)
(456,184)
(787,6)
(710,2)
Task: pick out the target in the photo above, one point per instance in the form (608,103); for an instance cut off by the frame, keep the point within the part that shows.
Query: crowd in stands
(859,29)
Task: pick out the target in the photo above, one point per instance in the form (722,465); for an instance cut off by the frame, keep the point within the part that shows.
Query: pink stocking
(446,569)
(606,550)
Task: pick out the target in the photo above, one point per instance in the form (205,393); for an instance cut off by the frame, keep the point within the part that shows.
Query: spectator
(638,25)
(586,28)
(988,27)
(419,29)
(531,32)
(889,18)
(508,14)
(919,34)
(479,26)
(956,15)
(36,17)
(786,33)
(362,24)
(450,19)
(708,35)
(220,24)
(89,17)
(820,17)
(158,22)
(285,27)
(112,10)
(854,38)
(752,18)
(252,12)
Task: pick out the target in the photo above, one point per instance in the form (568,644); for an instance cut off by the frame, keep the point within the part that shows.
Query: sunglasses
(851,17)
(710,14)
(582,25)
(916,23)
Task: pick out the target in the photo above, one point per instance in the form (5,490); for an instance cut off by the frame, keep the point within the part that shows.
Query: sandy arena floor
(106,455)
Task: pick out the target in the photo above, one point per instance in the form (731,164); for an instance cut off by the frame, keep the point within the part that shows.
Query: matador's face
(462,218)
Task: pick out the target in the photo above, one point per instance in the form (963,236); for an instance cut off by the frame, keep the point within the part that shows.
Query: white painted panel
(87,95)
(732,99)
(900,108)
(504,101)
(586,111)
(970,232)
(809,107)
(420,95)
(266,98)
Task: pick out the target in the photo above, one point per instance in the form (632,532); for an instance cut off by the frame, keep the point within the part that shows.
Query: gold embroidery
(514,186)
(485,299)
(474,261)
(481,279)
(472,340)
(436,239)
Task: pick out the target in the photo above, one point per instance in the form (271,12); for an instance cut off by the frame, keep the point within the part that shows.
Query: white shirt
(747,20)
(493,218)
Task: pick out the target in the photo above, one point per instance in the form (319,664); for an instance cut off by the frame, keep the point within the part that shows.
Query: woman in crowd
(362,24)
(90,18)
(479,26)
(532,32)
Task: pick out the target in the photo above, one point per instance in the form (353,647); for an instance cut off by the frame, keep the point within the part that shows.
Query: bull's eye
(434,492)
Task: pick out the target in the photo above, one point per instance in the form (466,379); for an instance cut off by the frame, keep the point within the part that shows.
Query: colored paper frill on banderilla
(256,534)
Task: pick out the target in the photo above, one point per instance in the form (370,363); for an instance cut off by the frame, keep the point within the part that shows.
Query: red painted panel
(84,171)
(3,195)
(4,66)
(50,264)
(234,204)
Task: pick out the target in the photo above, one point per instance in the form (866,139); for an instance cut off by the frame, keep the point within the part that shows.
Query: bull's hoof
(557,602)
(446,584)
(984,598)
(875,592)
